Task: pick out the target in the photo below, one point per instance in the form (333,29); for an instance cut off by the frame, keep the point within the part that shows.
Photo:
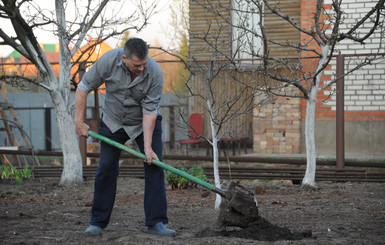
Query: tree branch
(377,9)
(17,81)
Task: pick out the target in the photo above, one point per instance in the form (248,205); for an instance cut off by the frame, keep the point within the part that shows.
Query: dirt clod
(239,207)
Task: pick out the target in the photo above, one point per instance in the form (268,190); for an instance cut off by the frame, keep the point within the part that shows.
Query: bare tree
(327,28)
(325,34)
(102,18)
(215,88)
(218,89)
(225,98)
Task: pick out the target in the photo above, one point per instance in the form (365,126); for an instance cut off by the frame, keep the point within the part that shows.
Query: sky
(156,31)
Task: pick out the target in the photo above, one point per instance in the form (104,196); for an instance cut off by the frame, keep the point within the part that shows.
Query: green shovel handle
(156,162)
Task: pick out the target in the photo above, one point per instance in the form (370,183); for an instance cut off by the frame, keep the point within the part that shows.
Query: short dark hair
(135,47)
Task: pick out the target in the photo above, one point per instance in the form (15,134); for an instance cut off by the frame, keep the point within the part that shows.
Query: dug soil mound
(261,230)
(42,212)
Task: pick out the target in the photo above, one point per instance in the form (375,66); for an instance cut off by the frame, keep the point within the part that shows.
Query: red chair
(195,131)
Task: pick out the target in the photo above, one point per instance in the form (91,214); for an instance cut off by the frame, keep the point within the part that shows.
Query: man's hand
(150,154)
(148,130)
(81,129)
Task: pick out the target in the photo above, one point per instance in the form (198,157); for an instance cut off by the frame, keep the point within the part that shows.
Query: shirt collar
(139,78)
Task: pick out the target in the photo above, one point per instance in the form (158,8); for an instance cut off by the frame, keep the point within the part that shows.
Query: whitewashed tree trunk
(217,179)
(72,162)
(59,90)
(309,178)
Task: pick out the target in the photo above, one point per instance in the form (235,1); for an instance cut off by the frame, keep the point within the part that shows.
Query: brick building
(279,127)
(364,90)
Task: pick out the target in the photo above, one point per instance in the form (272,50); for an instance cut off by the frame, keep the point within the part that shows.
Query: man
(134,84)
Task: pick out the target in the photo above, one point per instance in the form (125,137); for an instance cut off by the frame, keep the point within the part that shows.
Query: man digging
(134,84)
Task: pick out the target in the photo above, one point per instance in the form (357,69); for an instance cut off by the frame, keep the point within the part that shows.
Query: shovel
(239,207)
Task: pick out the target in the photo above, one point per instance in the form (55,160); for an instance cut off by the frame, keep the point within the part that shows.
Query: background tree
(124,38)
(173,57)
(180,24)
(321,39)
(103,19)
(323,31)
(217,87)
(224,100)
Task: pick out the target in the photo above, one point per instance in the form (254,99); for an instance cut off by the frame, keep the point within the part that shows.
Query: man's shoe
(160,229)
(93,230)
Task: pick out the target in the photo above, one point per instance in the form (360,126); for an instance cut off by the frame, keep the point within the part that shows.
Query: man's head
(135,55)
(135,47)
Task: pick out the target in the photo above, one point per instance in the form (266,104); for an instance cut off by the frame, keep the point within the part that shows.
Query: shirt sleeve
(150,104)
(94,77)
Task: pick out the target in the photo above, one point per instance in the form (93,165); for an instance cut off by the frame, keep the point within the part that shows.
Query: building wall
(209,23)
(364,89)
(364,93)
(277,126)
(210,20)
(281,31)
(364,99)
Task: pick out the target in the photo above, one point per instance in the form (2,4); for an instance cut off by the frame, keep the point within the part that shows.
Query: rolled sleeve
(93,78)
(150,104)
(83,87)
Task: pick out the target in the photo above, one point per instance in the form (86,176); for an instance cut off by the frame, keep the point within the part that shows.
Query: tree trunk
(309,178)
(72,163)
(217,179)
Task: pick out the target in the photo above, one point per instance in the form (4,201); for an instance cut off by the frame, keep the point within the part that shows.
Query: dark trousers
(155,202)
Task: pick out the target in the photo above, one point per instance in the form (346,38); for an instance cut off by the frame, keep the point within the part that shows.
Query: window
(246,34)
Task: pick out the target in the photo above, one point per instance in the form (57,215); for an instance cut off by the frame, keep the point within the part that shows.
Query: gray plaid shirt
(126,100)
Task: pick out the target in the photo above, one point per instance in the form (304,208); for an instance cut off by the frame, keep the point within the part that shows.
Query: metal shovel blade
(239,207)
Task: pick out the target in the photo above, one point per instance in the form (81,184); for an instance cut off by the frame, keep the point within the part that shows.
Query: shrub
(178,182)
(8,172)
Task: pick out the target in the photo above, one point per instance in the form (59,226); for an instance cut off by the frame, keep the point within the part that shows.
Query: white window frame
(245,44)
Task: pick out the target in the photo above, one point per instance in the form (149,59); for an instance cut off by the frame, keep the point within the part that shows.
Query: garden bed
(41,212)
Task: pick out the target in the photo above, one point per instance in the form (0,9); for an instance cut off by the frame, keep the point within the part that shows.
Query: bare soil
(42,212)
